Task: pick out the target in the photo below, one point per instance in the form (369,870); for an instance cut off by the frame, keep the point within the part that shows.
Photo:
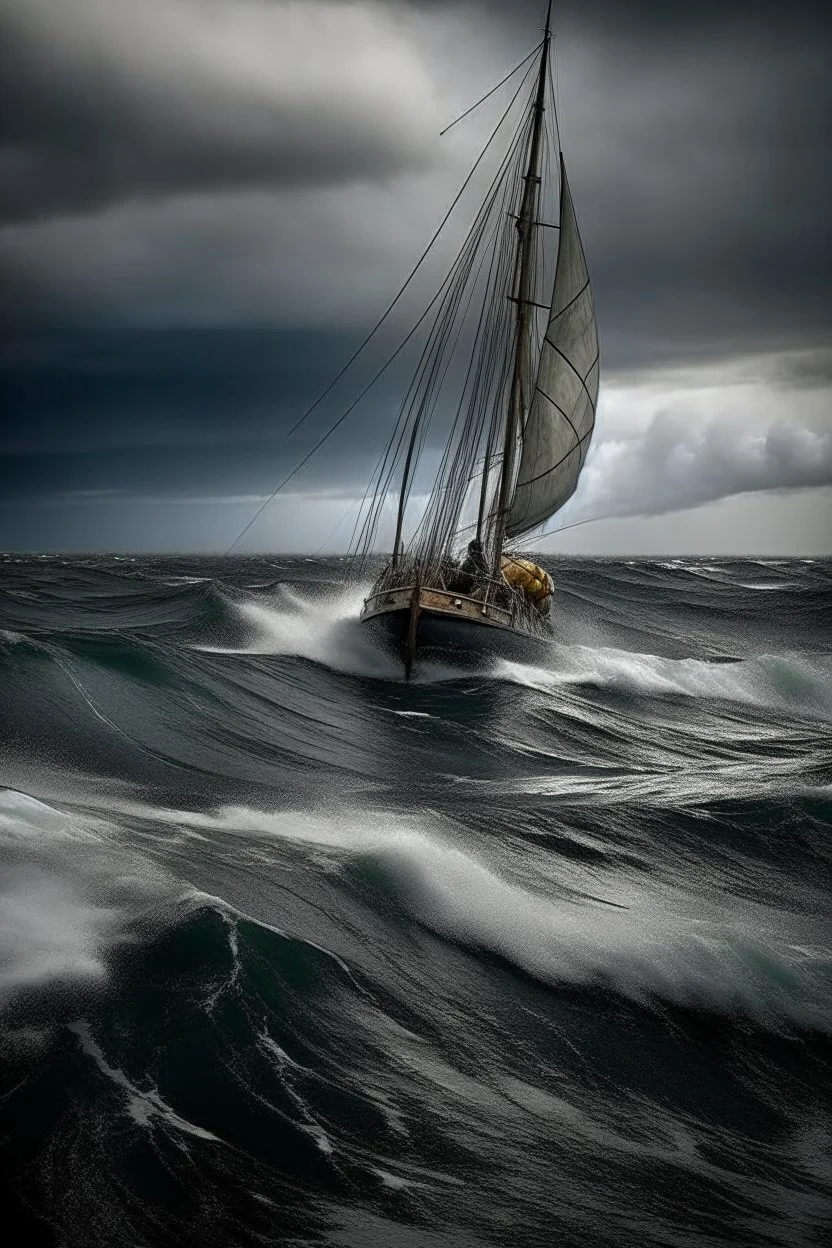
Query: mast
(523,299)
(397,540)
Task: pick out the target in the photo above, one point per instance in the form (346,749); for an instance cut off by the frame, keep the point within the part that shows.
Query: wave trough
(292,951)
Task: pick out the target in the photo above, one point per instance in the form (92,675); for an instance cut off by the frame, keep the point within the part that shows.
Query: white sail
(561,415)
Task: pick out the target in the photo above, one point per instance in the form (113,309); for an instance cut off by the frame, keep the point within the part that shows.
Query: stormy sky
(205,204)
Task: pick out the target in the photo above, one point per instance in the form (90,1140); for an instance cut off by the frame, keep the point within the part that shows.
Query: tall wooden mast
(527,218)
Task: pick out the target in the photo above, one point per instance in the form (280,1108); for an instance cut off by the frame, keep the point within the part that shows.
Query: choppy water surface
(292,952)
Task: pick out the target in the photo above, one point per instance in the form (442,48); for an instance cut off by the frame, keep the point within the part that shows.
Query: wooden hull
(442,626)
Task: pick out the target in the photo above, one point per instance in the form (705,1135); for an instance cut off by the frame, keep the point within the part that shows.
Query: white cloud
(675,440)
(672,466)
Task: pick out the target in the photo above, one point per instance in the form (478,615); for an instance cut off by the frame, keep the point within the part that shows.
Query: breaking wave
(800,680)
(291,949)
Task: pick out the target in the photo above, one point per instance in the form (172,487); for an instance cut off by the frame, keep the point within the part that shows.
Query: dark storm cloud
(696,136)
(101,100)
(806,370)
(645,21)
(703,184)
(176,413)
(197,162)
(104,100)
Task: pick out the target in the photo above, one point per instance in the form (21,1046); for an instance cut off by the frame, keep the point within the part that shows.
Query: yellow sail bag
(525,575)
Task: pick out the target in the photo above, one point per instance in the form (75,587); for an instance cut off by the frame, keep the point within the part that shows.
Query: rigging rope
(489,94)
(378,325)
(420,408)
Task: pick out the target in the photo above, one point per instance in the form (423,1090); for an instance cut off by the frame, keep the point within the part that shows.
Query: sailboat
(523,423)
(510,363)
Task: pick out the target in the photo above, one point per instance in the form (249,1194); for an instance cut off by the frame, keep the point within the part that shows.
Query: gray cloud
(674,465)
(275,168)
(220,139)
(106,100)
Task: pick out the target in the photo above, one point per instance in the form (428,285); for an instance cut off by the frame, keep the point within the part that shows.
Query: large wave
(554,922)
(800,681)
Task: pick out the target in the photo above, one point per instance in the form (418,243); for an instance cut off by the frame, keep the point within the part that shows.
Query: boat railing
(483,590)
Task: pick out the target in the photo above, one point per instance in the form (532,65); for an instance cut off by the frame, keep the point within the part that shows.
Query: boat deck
(438,602)
(424,622)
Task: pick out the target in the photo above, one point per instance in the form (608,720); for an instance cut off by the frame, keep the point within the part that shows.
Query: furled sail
(561,415)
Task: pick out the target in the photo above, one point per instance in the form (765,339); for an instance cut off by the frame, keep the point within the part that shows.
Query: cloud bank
(232,162)
(104,101)
(204,205)
(673,465)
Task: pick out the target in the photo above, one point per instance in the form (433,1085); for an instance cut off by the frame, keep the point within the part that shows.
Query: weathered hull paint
(450,628)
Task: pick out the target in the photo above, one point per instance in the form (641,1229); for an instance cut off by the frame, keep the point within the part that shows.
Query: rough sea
(292,952)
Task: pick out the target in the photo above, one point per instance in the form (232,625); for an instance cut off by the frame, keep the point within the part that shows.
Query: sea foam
(644,945)
(801,681)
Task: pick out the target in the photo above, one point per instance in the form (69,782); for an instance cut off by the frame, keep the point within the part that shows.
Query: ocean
(292,952)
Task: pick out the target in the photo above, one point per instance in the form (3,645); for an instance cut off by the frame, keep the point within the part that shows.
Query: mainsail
(561,415)
(505,416)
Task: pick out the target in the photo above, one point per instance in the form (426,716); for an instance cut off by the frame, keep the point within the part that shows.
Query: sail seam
(558,408)
(568,305)
(523,485)
(586,374)
(581,379)
(579,441)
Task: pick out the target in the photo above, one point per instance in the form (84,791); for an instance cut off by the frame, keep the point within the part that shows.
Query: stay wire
(458,278)
(411,404)
(424,254)
(375,329)
(445,500)
(488,94)
(484,230)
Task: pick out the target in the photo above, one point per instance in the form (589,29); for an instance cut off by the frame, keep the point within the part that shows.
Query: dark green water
(294,953)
